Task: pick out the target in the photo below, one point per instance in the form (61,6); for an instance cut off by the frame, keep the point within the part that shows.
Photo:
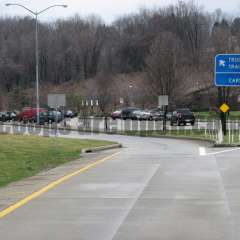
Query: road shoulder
(16,191)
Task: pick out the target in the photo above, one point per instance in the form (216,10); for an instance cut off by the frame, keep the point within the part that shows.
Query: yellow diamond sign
(224,108)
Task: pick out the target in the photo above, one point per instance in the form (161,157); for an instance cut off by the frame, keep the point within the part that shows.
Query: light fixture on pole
(36,14)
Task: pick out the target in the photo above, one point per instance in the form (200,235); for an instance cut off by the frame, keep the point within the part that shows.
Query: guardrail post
(106,124)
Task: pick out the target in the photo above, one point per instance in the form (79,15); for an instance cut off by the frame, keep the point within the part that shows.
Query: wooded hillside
(166,51)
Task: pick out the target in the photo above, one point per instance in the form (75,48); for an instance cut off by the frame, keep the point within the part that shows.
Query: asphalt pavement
(154,189)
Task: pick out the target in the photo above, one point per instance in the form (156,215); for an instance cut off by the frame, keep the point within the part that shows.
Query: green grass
(233,139)
(25,156)
(206,115)
(195,134)
(234,115)
(198,134)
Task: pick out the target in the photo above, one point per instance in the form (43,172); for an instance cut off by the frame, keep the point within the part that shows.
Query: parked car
(29,114)
(69,114)
(49,117)
(143,115)
(7,116)
(55,116)
(169,116)
(12,116)
(43,118)
(128,113)
(157,114)
(137,115)
(3,117)
(116,115)
(182,117)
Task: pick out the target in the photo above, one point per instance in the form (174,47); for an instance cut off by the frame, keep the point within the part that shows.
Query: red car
(116,115)
(28,114)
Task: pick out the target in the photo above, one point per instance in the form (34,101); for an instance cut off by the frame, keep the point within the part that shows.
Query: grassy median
(232,138)
(25,156)
(233,115)
(198,134)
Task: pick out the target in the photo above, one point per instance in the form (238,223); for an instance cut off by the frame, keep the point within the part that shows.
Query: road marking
(52,185)
(202,151)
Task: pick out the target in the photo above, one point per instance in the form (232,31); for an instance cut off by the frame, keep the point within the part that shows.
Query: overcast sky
(109,10)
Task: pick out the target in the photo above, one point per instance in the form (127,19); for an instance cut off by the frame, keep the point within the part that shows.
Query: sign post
(224,108)
(227,74)
(163,102)
(121,100)
(56,101)
(238,99)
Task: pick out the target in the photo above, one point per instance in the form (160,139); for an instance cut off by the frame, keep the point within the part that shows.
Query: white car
(143,115)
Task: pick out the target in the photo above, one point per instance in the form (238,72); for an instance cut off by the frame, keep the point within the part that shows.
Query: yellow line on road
(52,185)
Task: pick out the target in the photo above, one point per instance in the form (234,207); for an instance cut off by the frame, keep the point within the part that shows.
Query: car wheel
(25,121)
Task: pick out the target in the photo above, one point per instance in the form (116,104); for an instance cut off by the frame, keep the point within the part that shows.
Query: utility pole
(36,14)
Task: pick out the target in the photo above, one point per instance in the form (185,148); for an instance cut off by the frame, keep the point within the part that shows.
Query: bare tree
(161,64)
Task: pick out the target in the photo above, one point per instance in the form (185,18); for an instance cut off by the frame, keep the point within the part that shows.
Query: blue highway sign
(227,70)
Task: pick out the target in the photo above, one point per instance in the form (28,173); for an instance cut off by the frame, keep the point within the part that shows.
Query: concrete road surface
(155,189)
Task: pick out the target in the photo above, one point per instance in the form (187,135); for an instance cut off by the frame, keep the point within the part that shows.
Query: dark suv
(128,113)
(182,117)
(49,117)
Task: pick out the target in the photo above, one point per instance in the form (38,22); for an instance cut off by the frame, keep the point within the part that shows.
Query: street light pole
(37,67)
(130,87)
(36,14)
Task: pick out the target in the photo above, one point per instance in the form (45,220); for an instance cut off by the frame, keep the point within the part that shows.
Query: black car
(3,117)
(43,118)
(128,113)
(55,116)
(49,117)
(182,116)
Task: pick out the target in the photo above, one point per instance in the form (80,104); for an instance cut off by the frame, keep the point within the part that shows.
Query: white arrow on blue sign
(227,70)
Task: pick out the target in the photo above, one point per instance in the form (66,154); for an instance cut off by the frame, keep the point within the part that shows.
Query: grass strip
(25,156)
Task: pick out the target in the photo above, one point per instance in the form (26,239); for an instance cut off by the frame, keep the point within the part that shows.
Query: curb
(212,142)
(103,148)
(226,145)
